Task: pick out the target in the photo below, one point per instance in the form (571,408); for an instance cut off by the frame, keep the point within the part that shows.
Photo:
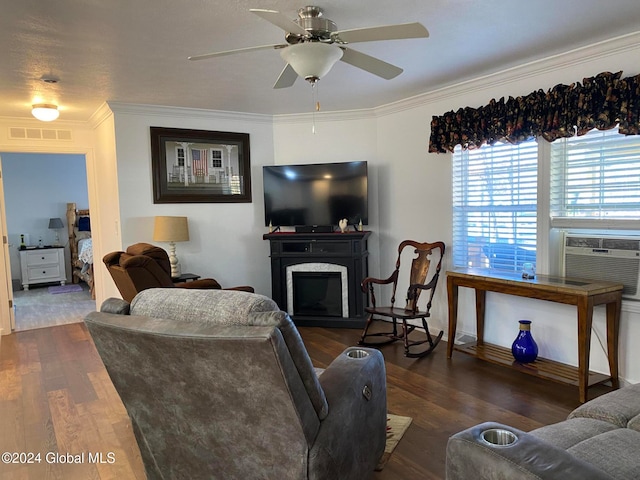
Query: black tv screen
(315,194)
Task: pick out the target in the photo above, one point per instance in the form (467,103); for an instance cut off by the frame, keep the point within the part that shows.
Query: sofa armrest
(242,288)
(351,438)
(469,456)
(115,305)
(203,283)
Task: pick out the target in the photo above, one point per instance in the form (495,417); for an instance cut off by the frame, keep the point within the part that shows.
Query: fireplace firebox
(316,277)
(317,294)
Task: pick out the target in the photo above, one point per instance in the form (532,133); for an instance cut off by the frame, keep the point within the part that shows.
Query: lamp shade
(171,229)
(55,223)
(45,112)
(311,60)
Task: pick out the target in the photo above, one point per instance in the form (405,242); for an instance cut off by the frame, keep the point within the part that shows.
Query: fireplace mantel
(290,252)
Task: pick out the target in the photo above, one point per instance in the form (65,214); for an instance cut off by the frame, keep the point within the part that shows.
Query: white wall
(413,193)
(225,238)
(104,200)
(415,200)
(338,137)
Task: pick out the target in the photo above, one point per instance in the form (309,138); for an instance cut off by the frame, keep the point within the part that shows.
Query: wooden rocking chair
(417,283)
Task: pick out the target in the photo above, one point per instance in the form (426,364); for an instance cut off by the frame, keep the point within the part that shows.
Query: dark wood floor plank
(77,382)
(55,395)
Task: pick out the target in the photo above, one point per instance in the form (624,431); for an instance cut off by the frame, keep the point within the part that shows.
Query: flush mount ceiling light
(45,112)
(49,78)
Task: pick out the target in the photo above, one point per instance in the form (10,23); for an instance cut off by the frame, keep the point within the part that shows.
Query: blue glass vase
(524,348)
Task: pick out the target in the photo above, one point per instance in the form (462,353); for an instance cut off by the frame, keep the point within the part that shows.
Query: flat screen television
(315,194)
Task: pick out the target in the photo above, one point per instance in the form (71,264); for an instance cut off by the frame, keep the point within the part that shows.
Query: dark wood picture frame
(200,166)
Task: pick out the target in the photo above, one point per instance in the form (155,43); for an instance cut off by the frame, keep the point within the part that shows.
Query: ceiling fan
(314,45)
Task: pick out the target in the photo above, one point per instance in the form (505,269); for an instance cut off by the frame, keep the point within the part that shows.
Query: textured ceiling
(136,51)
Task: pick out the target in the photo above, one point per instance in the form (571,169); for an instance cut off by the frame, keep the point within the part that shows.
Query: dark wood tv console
(305,265)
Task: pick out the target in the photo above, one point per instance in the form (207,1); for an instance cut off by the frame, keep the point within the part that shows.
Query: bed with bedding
(80,246)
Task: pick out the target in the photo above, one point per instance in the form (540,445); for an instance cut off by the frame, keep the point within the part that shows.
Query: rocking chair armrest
(412,293)
(378,281)
(418,286)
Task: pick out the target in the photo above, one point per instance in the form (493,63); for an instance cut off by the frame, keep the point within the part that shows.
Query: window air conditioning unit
(607,258)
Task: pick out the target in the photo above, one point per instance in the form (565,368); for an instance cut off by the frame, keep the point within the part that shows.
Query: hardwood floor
(55,396)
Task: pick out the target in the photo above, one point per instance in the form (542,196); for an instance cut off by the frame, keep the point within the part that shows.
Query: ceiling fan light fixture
(311,60)
(45,112)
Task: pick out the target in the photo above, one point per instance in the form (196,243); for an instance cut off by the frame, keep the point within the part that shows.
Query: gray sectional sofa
(599,440)
(219,385)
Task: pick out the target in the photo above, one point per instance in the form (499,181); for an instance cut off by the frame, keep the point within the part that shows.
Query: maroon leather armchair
(145,266)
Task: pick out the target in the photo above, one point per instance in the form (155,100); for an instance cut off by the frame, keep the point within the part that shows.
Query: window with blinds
(494,206)
(595,176)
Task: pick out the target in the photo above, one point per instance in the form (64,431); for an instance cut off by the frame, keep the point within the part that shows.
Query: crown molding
(565,60)
(100,115)
(322,117)
(190,113)
(572,58)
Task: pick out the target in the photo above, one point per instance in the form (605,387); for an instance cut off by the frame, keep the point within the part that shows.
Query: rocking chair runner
(418,277)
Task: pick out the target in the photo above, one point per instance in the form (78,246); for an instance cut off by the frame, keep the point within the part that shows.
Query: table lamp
(171,229)
(56,224)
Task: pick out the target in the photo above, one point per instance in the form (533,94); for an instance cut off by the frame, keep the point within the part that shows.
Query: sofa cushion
(618,407)
(219,307)
(634,423)
(571,432)
(616,452)
(231,307)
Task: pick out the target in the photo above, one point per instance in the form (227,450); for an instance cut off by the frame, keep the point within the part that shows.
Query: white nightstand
(42,265)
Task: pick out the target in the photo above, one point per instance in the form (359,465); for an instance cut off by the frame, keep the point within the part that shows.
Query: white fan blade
(232,52)
(287,77)
(370,64)
(386,32)
(279,20)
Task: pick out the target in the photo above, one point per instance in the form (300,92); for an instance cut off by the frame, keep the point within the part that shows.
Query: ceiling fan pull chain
(316,106)
(316,102)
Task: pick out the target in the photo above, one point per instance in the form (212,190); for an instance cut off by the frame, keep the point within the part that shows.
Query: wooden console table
(585,294)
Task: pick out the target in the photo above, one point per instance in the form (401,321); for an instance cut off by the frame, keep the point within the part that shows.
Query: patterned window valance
(601,102)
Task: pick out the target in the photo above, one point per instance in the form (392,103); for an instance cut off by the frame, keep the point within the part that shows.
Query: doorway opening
(37,187)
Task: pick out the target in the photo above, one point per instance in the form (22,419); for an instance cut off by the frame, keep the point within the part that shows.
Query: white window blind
(494,206)
(595,177)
